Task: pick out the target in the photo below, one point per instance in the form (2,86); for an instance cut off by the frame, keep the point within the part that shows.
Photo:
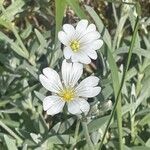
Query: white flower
(68,91)
(80,42)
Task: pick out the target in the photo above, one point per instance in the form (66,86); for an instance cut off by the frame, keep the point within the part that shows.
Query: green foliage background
(28,43)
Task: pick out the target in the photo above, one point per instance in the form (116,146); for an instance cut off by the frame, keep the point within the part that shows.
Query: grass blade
(60,6)
(123,78)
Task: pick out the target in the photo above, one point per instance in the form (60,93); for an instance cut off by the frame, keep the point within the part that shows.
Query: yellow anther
(75,45)
(67,94)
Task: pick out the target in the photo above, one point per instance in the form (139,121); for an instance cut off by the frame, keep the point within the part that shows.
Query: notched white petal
(97,44)
(82,25)
(83,57)
(91,28)
(69,29)
(67,52)
(89,37)
(88,87)
(45,82)
(78,106)
(74,58)
(92,54)
(71,72)
(90,81)
(88,92)
(94,45)
(50,80)
(51,73)
(63,38)
(53,105)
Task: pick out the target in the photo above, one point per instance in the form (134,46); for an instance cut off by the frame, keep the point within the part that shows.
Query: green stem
(77,130)
(132,117)
(119,122)
(76,134)
(87,136)
(122,81)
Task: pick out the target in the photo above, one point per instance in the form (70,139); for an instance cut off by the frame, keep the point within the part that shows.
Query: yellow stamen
(67,94)
(75,45)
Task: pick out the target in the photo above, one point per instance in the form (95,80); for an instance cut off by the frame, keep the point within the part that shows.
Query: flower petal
(74,57)
(94,45)
(91,28)
(69,29)
(51,74)
(90,81)
(78,106)
(88,92)
(53,105)
(82,26)
(51,80)
(92,54)
(71,72)
(67,52)
(87,88)
(89,37)
(83,57)
(97,44)
(63,38)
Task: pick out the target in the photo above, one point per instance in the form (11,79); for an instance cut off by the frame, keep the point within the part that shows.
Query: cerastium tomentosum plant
(81,44)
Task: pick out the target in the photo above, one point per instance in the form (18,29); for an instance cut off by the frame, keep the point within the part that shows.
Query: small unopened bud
(106,106)
(133,93)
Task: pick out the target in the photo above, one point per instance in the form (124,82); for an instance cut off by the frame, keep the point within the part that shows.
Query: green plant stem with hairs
(76,134)
(87,136)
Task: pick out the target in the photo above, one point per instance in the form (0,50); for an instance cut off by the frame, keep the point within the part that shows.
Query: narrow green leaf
(19,140)
(13,45)
(31,69)
(41,38)
(20,42)
(11,144)
(145,120)
(97,123)
(59,139)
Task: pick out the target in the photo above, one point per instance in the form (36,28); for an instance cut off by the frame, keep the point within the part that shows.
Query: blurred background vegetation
(28,43)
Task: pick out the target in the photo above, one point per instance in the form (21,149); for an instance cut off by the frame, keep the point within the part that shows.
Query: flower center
(75,45)
(67,94)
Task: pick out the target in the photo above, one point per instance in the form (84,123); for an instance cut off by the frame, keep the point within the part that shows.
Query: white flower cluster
(80,44)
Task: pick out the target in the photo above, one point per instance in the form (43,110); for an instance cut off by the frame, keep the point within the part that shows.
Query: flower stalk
(87,136)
